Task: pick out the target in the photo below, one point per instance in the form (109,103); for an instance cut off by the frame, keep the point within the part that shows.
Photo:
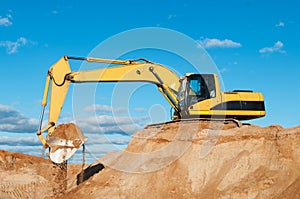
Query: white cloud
(102,131)
(20,141)
(105,108)
(171,16)
(13,46)
(105,133)
(100,139)
(6,21)
(12,120)
(105,124)
(280,24)
(55,12)
(223,70)
(140,110)
(277,47)
(217,43)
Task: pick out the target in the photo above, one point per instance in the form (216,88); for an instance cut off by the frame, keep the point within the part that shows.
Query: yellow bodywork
(205,108)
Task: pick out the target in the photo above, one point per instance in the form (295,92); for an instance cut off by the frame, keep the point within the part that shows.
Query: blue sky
(253,43)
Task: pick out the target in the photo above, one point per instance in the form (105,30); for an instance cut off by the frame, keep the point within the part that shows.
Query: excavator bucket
(64,141)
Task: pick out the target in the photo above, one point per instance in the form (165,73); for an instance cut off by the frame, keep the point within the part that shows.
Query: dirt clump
(67,132)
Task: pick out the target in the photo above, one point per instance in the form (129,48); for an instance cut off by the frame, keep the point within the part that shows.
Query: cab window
(201,87)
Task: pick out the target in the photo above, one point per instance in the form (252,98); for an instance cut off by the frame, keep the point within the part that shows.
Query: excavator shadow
(89,172)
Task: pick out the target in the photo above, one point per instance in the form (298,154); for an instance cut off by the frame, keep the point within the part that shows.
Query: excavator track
(224,121)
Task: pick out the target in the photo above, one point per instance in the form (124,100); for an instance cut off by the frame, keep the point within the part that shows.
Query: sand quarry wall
(177,160)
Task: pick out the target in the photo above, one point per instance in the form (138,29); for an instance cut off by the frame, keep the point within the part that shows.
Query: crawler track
(225,121)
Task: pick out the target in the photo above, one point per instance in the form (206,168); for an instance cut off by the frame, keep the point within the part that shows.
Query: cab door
(203,93)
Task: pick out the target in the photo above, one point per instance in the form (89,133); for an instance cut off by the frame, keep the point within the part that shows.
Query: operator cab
(195,88)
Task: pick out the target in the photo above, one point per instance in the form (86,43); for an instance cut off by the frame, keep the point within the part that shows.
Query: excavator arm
(60,76)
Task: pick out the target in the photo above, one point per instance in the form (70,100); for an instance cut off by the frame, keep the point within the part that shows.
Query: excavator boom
(60,76)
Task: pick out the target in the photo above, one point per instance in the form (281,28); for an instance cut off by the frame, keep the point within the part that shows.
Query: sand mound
(177,160)
(201,161)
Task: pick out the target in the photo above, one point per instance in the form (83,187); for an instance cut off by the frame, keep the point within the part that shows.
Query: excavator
(195,96)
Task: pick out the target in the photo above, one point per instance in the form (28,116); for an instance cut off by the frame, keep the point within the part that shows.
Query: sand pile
(201,161)
(177,160)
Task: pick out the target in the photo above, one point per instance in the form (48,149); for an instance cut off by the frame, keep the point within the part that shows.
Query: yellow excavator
(191,96)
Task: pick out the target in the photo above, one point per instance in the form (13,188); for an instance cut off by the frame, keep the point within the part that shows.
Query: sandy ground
(25,176)
(177,160)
